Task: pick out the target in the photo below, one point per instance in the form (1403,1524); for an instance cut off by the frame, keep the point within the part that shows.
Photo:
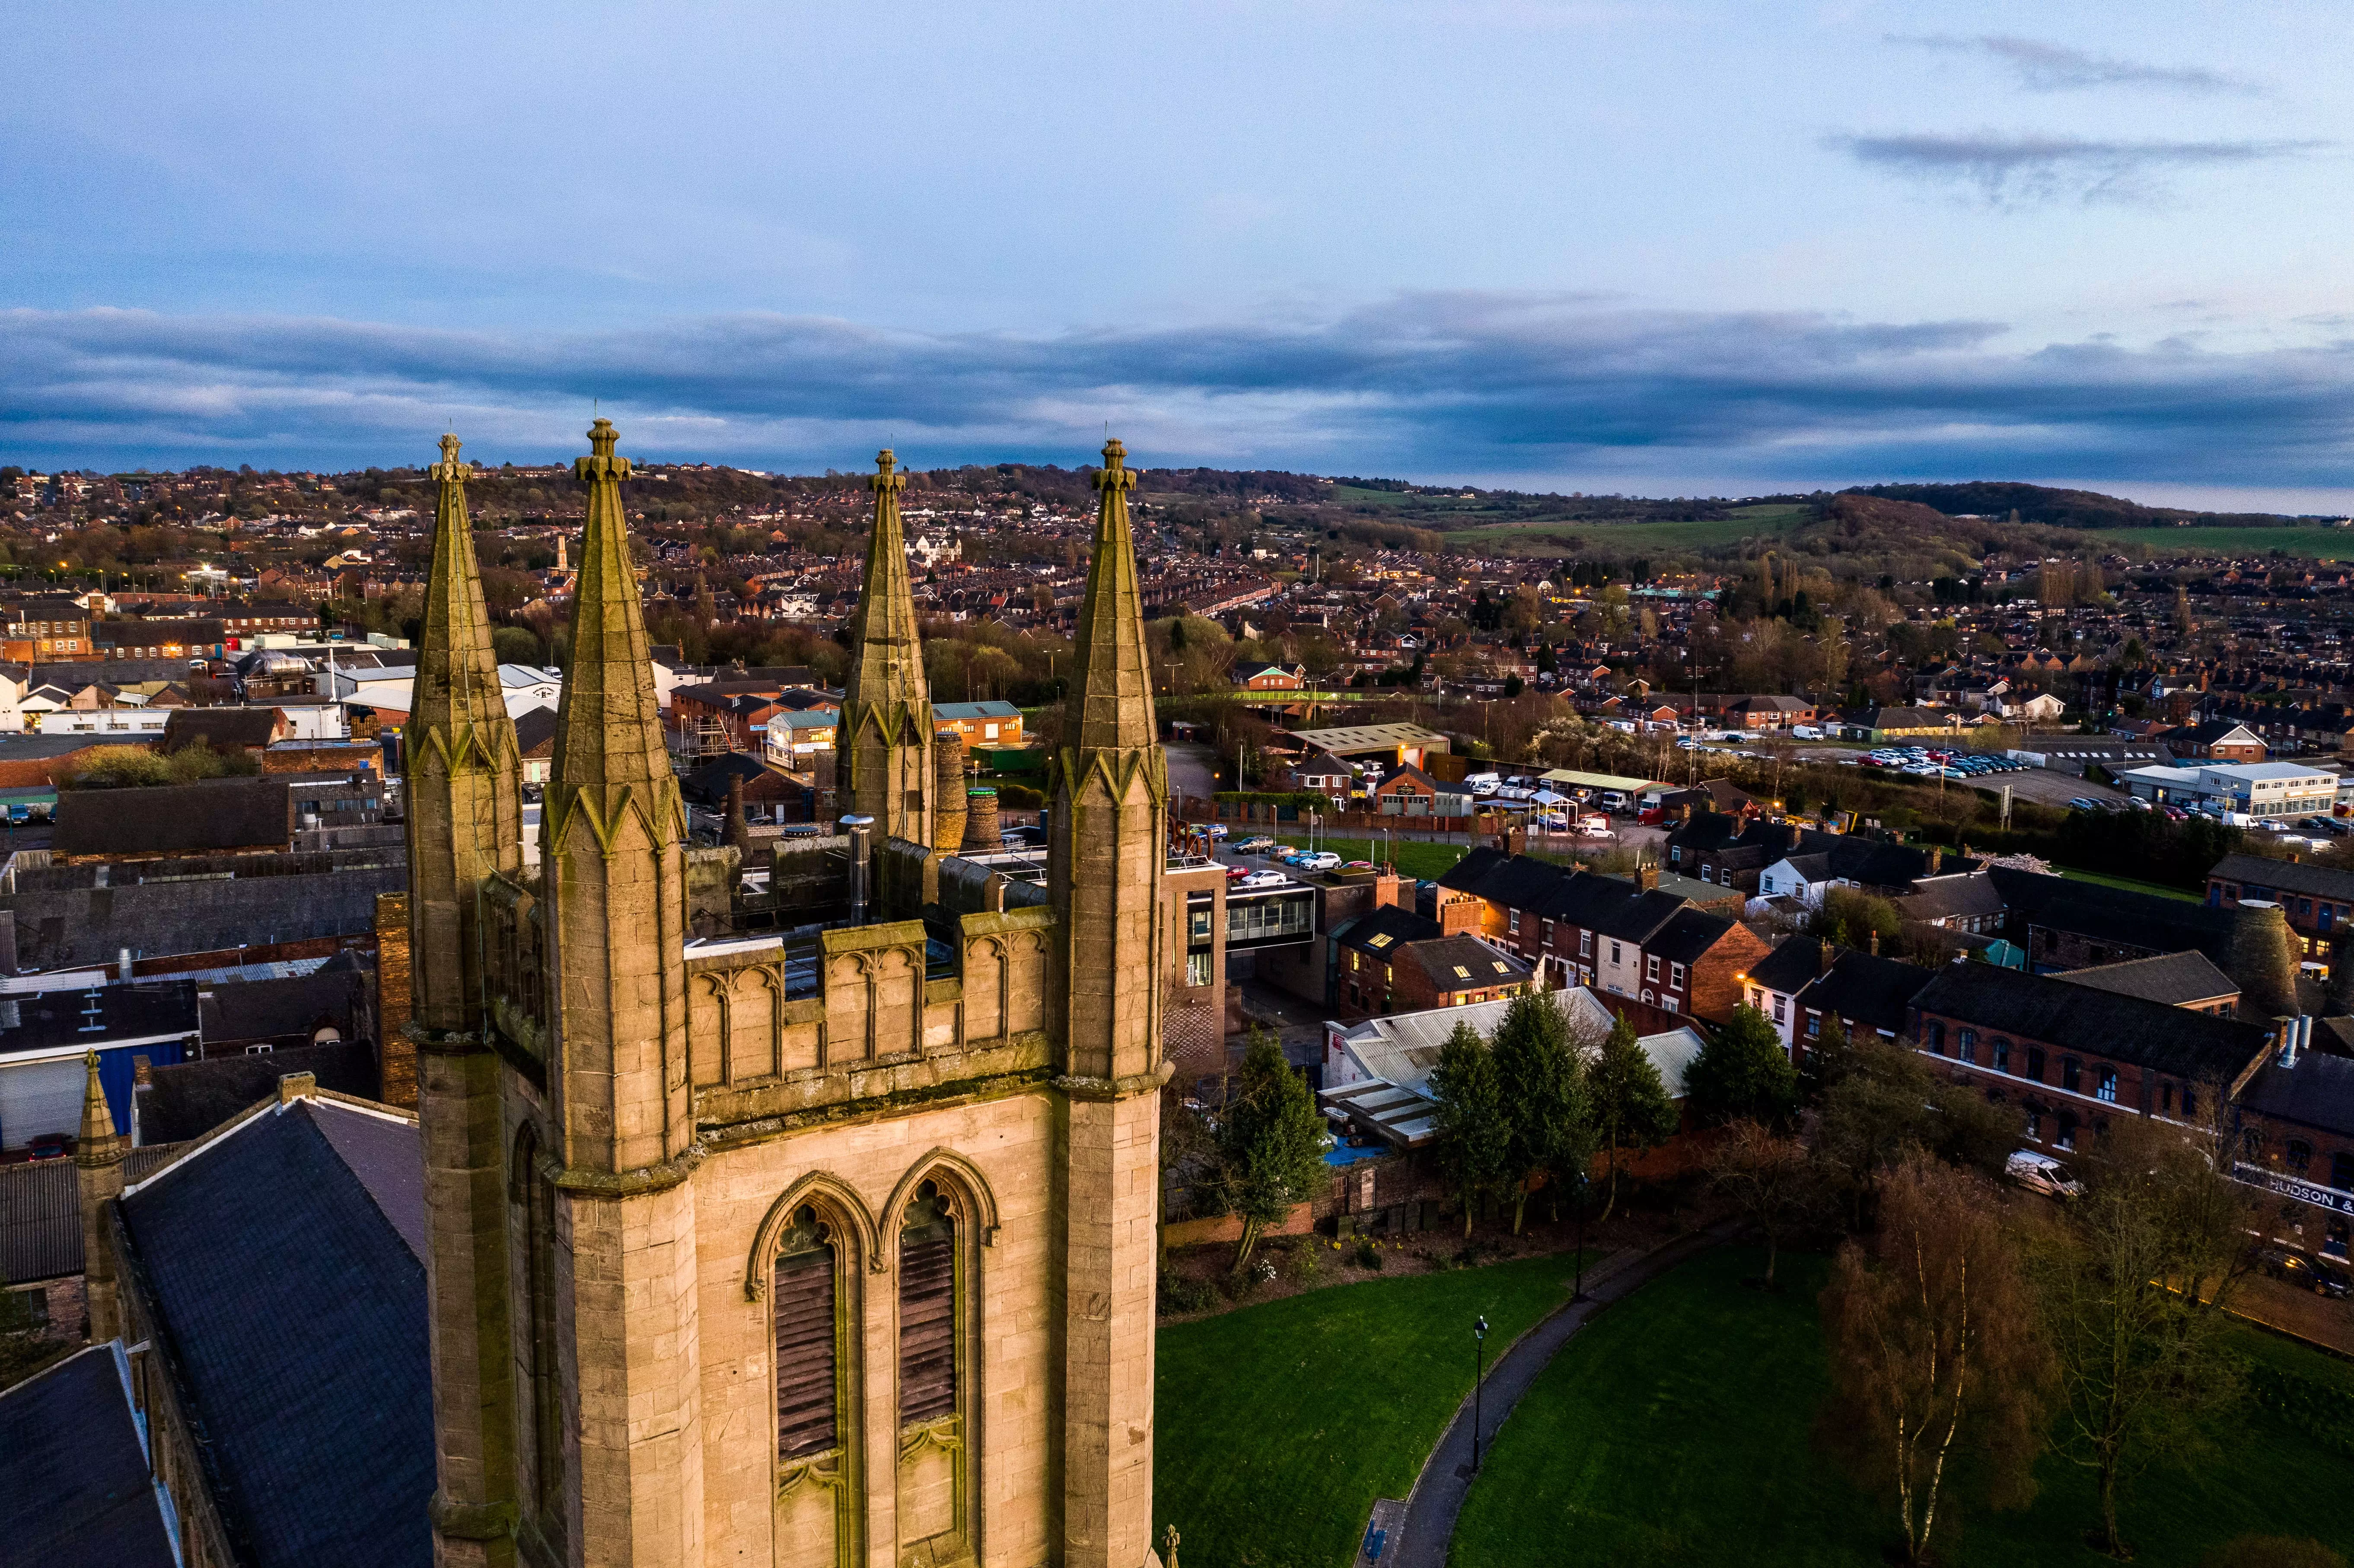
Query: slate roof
(184,1100)
(177,818)
(2318,1092)
(75,1484)
(1687,934)
(235,1013)
(2300,877)
(1482,966)
(709,783)
(290,1303)
(1945,896)
(1791,967)
(1867,989)
(60,926)
(1398,925)
(2099,1023)
(2174,978)
(2144,920)
(223,729)
(535,733)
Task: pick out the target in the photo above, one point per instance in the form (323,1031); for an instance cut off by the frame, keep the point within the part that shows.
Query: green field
(2315,544)
(1675,1429)
(1278,1426)
(2126,883)
(1603,538)
(1422,861)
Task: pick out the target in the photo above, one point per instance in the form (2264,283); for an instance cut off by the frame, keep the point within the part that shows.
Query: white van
(1805,732)
(1614,799)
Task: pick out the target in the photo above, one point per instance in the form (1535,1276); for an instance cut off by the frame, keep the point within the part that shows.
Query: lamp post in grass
(1478,1377)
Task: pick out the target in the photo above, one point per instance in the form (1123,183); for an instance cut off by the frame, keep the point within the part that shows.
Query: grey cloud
(2055,68)
(2017,170)
(1427,383)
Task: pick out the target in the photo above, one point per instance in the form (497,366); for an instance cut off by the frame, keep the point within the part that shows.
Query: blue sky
(1672,247)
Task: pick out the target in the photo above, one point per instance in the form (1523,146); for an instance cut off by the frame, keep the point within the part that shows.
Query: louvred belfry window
(807,1419)
(928,1308)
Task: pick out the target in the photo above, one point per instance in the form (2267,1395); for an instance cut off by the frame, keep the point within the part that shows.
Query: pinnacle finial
(887,478)
(1115,473)
(601,437)
(97,1119)
(450,469)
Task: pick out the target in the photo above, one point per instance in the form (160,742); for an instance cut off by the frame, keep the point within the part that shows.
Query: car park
(2039,1172)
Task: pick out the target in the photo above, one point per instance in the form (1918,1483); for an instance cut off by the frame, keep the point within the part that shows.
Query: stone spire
(98,1179)
(1111,686)
(464,794)
(610,758)
(885,733)
(614,869)
(1107,844)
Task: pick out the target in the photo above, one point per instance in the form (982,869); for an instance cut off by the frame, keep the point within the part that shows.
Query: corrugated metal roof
(40,1213)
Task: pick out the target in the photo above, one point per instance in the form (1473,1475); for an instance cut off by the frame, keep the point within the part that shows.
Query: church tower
(822,1248)
(885,740)
(615,911)
(1108,841)
(465,825)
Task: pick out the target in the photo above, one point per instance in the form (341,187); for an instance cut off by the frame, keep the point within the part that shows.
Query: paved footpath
(1439,1492)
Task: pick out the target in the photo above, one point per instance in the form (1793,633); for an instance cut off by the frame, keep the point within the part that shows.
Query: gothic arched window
(928,1300)
(809,1357)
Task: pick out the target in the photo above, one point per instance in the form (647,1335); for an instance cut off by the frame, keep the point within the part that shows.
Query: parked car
(2039,1172)
(1217,830)
(2304,1271)
(2080,803)
(1322,860)
(50,1146)
(1255,845)
(1234,874)
(1262,879)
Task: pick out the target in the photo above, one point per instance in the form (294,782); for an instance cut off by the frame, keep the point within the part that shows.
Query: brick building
(2071,1055)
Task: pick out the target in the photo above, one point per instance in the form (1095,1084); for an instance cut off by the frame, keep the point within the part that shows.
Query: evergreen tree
(1742,1072)
(1272,1144)
(1631,1110)
(1474,1138)
(1544,1100)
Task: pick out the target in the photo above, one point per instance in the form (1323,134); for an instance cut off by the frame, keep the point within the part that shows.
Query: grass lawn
(2316,543)
(1621,539)
(1420,860)
(1675,1430)
(1278,1426)
(2128,883)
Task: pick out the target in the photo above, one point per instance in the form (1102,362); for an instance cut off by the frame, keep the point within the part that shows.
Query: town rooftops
(1466,963)
(2257,877)
(38,1025)
(2177,979)
(2318,1092)
(969,712)
(1792,966)
(1867,987)
(177,818)
(223,729)
(75,1481)
(1353,739)
(1382,931)
(293,1240)
(2099,1023)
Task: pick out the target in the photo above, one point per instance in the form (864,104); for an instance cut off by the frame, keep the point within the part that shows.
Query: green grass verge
(2126,883)
(2315,543)
(1570,537)
(1277,1426)
(1422,861)
(1675,1430)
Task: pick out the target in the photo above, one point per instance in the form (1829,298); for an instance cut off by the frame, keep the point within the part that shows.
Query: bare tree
(1772,1182)
(2140,1359)
(1933,1351)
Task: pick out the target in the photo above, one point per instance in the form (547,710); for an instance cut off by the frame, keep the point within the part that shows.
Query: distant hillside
(2058,508)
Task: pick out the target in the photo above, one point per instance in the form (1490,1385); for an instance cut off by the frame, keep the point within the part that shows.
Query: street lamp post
(1479,1376)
